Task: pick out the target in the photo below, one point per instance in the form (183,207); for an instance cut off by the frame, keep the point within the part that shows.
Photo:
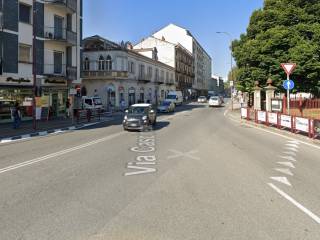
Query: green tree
(282,31)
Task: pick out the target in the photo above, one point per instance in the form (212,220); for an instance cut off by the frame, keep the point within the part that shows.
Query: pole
(288,96)
(231,76)
(34,68)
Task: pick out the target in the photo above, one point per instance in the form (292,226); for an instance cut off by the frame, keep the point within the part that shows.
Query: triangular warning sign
(288,67)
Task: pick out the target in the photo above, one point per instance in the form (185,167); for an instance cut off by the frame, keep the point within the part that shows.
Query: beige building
(116,72)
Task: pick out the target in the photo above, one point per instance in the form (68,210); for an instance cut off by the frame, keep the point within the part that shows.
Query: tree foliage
(282,31)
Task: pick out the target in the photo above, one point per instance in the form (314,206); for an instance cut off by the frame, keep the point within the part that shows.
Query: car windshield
(171,97)
(214,98)
(137,110)
(165,103)
(97,101)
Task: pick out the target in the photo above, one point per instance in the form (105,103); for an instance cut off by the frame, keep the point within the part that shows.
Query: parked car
(215,102)
(175,97)
(202,99)
(92,103)
(139,117)
(166,106)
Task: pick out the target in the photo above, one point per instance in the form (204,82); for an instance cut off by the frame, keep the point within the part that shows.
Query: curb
(52,132)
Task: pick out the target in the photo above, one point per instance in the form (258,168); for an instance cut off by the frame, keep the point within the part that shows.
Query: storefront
(9,96)
(57,100)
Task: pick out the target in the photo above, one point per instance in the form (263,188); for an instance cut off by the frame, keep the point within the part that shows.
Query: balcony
(70,5)
(60,35)
(160,81)
(55,70)
(144,78)
(104,74)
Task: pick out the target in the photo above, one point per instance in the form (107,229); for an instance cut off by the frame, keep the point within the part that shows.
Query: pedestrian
(123,105)
(68,108)
(241,101)
(16,116)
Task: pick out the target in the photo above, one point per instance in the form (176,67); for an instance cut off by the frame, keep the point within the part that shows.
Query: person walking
(68,108)
(16,115)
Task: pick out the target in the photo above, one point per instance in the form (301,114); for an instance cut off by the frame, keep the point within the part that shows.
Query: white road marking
(291,149)
(274,133)
(294,142)
(290,153)
(284,170)
(56,154)
(292,145)
(295,203)
(287,164)
(43,133)
(181,154)
(283,180)
(290,158)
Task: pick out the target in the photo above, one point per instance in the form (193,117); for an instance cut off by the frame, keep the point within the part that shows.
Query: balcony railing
(70,4)
(104,74)
(144,78)
(60,34)
(55,70)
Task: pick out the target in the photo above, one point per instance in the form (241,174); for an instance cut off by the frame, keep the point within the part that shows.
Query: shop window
(24,53)
(24,13)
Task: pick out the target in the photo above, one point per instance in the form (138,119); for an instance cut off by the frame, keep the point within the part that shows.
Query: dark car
(139,117)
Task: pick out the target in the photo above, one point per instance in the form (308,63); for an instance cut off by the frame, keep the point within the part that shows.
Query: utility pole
(34,67)
(231,65)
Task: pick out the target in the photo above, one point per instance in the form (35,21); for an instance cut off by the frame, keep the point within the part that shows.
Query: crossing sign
(288,67)
(288,84)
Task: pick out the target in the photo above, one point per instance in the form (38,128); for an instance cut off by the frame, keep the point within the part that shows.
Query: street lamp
(231,87)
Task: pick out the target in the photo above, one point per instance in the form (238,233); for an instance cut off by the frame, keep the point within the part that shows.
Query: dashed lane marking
(290,158)
(284,170)
(287,164)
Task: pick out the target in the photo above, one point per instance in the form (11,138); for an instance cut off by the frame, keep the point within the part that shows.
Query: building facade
(216,85)
(41,37)
(202,60)
(174,55)
(116,73)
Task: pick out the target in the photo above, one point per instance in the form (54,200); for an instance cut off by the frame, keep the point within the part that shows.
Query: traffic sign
(288,84)
(288,67)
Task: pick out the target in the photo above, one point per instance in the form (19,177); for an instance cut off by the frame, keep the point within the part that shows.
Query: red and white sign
(288,67)
(273,118)
(244,112)
(262,116)
(285,121)
(302,124)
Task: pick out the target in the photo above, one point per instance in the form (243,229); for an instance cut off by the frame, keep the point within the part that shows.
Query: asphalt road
(197,175)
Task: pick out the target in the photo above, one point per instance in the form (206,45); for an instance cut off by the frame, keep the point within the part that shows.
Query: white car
(202,99)
(215,102)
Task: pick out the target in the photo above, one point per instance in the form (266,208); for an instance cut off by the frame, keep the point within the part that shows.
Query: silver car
(139,117)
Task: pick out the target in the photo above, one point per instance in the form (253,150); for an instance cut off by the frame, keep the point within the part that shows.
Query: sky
(132,20)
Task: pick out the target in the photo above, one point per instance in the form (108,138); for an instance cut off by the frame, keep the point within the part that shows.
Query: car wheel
(154,122)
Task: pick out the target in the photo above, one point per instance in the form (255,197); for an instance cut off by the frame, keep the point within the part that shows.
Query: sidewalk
(46,127)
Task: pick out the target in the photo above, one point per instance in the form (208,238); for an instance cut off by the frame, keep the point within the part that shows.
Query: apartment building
(174,55)
(41,37)
(202,61)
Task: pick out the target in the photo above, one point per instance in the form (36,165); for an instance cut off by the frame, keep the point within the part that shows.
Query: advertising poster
(285,121)
(302,124)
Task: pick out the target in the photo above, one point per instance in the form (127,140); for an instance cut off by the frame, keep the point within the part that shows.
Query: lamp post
(231,87)
(34,64)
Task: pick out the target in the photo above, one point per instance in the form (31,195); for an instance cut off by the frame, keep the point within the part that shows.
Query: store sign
(243,112)
(273,118)
(262,116)
(285,121)
(302,124)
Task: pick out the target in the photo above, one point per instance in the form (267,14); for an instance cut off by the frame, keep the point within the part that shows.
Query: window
(167,76)
(131,67)
(150,72)
(24,53)
(157,74)
(142,71)
(101,63)
(24,13)
(109,63)
(86,65)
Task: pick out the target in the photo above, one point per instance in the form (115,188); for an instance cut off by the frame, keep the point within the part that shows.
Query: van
(175,96)
(92,103)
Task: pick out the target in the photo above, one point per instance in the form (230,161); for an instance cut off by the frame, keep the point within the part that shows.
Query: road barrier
(295,124)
